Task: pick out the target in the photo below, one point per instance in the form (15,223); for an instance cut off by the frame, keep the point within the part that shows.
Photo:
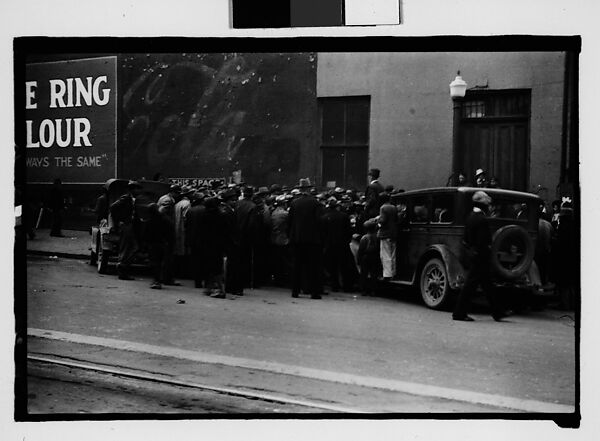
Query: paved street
(364,353)
(58,389)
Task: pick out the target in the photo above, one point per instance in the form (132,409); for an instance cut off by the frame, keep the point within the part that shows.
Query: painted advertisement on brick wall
(71,120)
(207,115)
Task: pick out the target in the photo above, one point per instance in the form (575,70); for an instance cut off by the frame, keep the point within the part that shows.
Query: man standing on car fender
(478,241)
(387,234)
(374,189)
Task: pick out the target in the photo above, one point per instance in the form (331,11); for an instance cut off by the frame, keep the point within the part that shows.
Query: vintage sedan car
(106,236)
(431,254)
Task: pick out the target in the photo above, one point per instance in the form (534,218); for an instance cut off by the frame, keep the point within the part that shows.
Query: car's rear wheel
(434,284)
(102,261)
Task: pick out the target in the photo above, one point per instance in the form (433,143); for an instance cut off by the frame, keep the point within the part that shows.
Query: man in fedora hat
(208,233)
(280,241)
(229,198)
(306,240)
(125,219)
(478,241)
(166,205)
(247,224)
(480,178)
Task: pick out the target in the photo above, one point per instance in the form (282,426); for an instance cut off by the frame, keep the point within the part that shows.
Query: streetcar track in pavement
(392,385)
(165,380)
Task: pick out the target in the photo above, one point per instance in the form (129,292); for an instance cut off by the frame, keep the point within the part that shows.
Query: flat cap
(481,197)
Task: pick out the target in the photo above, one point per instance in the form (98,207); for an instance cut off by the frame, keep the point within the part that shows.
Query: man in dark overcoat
(126,219)
(478,242)
(193,236)
(305,231)
(158,235)
(337,235)
(208,232)
(568,257)
(233,276)
(248,224)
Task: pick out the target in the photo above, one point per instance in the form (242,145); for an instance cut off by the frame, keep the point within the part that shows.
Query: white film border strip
(372,12)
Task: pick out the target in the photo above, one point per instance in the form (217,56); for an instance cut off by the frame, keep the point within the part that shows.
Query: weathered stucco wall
(411,110)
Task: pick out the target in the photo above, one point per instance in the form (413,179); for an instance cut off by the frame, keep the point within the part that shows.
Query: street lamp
(458,89)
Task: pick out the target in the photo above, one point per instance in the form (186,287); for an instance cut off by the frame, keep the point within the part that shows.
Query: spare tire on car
(512,252)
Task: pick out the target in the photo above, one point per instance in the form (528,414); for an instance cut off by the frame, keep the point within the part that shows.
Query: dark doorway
(345,141)
(494,136)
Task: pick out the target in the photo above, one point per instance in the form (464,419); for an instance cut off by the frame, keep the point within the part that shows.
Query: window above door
(509,103)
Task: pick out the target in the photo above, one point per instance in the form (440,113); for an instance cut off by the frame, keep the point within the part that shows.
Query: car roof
(116,181)
(116,187)
(493,192)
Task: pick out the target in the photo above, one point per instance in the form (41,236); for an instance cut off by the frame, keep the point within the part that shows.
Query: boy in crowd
(368,258)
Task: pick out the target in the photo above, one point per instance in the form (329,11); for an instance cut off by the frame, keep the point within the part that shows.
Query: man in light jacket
(387,234)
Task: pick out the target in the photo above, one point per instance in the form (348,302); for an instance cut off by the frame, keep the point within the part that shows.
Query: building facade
(511,120)
(276,117)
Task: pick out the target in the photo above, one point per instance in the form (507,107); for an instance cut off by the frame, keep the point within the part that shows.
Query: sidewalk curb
(58,254)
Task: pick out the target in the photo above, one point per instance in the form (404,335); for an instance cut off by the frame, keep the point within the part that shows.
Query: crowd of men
(235,237)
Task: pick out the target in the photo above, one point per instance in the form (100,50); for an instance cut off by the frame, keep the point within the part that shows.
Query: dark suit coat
(372,198)
(368,250)
(122,209)
(158,229)
(304,221)
(230,221)
(56,200)
(336,228)
(207,230)
(478,236)
(388,222)
(247,220)
(192,225)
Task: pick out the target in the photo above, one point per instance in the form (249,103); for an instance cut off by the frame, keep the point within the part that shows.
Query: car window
(401,206)
(443,208)
(419,211)
(509,209)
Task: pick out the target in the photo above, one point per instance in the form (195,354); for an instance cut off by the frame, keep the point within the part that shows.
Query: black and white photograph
(301,232)
(379,229)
